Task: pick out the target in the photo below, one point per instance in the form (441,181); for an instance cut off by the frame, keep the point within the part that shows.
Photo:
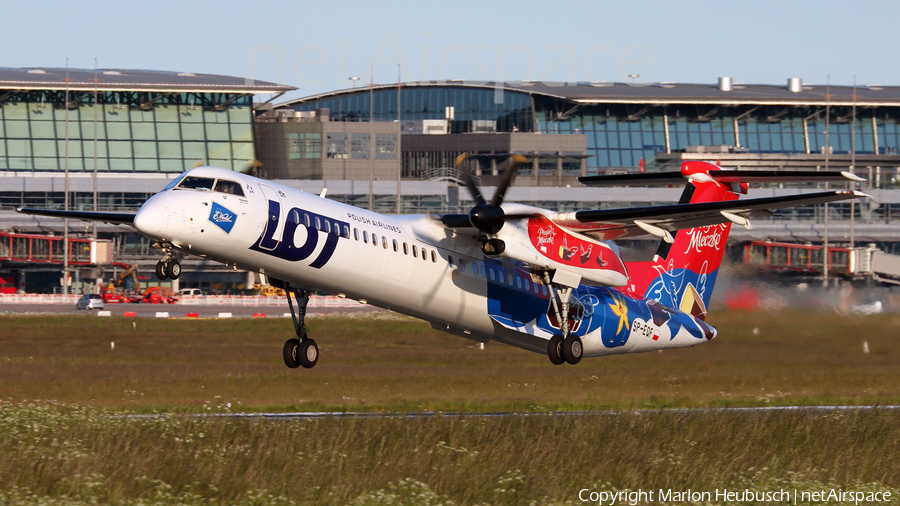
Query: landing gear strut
(303,350)
(565,347)
(168,267)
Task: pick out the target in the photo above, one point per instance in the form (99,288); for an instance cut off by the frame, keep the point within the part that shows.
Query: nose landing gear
(302,351)
(168,267)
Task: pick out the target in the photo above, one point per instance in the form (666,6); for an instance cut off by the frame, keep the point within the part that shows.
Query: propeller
(487,217)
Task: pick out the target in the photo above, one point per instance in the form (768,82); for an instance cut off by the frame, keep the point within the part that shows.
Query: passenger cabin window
(405,249)
(229,187)
(433,257)
(197,183)
(415,251)
(306,220)
(355,234)
(424,254)
(450,260)
(396,248)
(374,239)
(462,264)
(347,231)
(327,227)
(475,269)
(365,237)
(318,223)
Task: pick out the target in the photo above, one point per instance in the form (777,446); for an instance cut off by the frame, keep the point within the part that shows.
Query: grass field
(384,362)
(65,437)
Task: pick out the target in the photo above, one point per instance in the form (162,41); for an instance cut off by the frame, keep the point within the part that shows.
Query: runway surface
(176,310)
(506,414)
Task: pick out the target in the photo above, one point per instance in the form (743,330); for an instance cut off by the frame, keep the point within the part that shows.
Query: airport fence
(196,300)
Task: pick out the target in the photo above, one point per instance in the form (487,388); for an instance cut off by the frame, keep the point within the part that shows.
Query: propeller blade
(506,180)
(463,168)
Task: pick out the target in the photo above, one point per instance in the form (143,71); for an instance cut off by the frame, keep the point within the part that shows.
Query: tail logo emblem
(706,237)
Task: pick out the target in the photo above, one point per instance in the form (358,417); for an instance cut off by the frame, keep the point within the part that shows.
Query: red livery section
(560,246)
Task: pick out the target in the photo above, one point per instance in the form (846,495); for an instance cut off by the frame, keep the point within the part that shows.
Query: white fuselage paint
(439,288)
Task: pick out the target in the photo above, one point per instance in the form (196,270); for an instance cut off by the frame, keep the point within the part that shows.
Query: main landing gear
(168,267)
(564,347)
(302,351)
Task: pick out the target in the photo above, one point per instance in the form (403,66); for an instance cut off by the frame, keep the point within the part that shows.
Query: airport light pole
(371,137)
(65,280)
(354,79)
(851,184)
(825,205)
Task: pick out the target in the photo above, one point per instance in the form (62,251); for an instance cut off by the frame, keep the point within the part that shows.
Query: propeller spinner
(487,217)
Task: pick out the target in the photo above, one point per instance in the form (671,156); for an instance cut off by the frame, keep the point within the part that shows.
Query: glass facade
(621,135)
(431,102)
(134,132)
(615,138)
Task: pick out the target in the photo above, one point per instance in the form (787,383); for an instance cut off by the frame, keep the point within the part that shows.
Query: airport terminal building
(392,147)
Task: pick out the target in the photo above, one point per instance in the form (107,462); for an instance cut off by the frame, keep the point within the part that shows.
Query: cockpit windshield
(229,187)
(197,183)
(173,183)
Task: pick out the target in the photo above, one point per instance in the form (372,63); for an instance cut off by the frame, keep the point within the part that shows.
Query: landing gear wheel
(572,349)
(291,348)
(173,269)
(308,353)
(160,270)
(554,350)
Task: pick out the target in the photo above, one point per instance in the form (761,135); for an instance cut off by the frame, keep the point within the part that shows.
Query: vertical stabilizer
(682,274)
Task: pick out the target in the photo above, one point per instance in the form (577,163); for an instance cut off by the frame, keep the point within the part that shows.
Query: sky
(318,46)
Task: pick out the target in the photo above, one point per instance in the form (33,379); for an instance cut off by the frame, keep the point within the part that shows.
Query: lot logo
(285,248)
(222,217)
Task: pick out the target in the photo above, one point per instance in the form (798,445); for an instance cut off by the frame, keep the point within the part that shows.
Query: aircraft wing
(114,218)
(609,224)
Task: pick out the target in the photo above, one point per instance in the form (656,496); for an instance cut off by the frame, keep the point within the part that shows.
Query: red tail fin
(682,274)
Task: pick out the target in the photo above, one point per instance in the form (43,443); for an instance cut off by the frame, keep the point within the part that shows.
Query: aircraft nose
(150,219)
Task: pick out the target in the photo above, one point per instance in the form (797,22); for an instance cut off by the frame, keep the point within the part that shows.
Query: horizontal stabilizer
(724,176)
(116,218)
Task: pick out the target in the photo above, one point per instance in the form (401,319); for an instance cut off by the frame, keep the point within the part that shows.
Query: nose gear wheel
(168,267)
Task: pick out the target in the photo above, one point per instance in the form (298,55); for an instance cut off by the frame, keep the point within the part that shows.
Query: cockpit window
(173,183)
(229,187)
(197,183)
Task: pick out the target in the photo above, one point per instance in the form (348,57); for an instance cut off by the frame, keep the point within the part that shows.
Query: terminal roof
(608,92)
(131,80)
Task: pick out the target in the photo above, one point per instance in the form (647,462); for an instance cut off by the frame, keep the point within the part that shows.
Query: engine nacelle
(540,242)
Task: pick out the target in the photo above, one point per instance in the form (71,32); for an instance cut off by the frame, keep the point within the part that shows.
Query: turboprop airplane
(549,282)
